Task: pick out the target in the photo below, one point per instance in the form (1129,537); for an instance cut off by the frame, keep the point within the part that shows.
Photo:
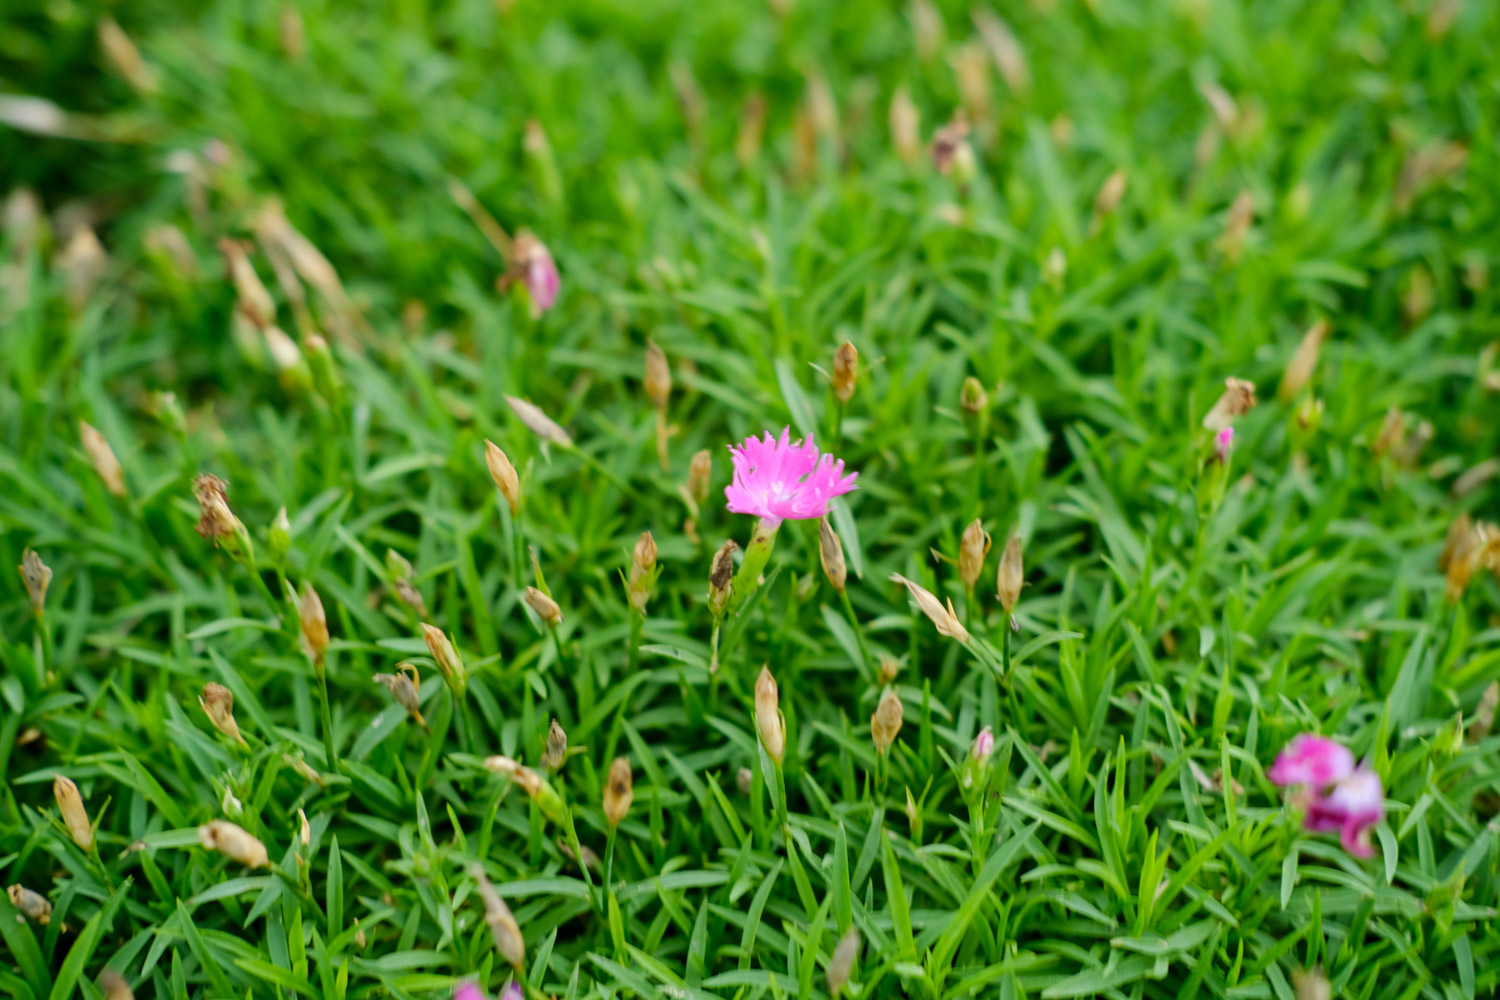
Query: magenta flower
(512,991)
(468,991)
(777,480)
(1223,441)
(532,263)
(1311,760)
(982,747)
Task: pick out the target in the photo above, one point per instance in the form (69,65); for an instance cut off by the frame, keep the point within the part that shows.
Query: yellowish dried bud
(700,471)
(972,549)
(314,624)
(1055,267)
(1311,985)
(752,130)
(945,618)
(1457,538)
(642,572)
(33,905)
(447,658)
(304,831)
(889,668)
(928,30)
(102,457)
(82,263)
(124,58)
(1475,477)
(768,716)
(114,986)
(658,378)
(405,686)
(831,554)
(1111,193)
(885,723)
(284,352)
(1238,399)
(217,702)
(37,577)
(304,769)
(743,780)
(504,474)
(503,927)
(971,72)
(557,747)
(913,815)
(1299,370)
(170,247)
(1236,226)
(539,423)
(906,126)
(291,34)
(546,608)
(234,842)
(842,963)
(845,371)
(721,578)
(254,301)
(619,791)
(1392,433)
(75,817)
(1005,50)
(1011,576)
(216,521)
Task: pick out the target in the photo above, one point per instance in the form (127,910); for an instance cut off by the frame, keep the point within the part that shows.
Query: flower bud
(531,265)
(842,963)
(972,549)
(1238,399)
(447,659)
(1223,442)
(1300,369)
(906,126)
(33,905)
(1310,415)
(619,791)
(972,396)
(504,474)
(124,58)
(537,788)
(279,536)
(845,371)
(1392,433)
(885,723)
(700,470)
(254,301)
(218,704)
(314,624)
(1311,985)
(945,618)
(1055,268)
(216,521)
(304,831)
(81,264)
(70,804)
(102,457)
(947,142)
(752,130)
(642,572)
(546,608)
(231,804)
(913,816)
(721,578)
(1011,577)
(889,668)
(557,747)
(1111,193)
(768,716)
(982,747)
(658,378)
(1236,226)
(37,577)
(114,986)
(1484,713)
(304,769)
(234,842)
(831,554)
(507,933)
(405,686)
(743,780)
(538,423)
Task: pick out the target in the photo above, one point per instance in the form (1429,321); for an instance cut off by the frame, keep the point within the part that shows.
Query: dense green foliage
(1171,640)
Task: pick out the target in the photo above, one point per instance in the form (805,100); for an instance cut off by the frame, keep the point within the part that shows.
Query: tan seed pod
(831,555)
(217,702)
(642,572)
(538,422)
(103,459)
(314,623)
(619,791)
(75,817)
(405,687)
(658,378)
(906,126)
(885,723)
(254,301)
(37,577)
(557,746)
(973,547)
(1011,575)
(945,618)
(546,608)
(845,371)
(33,905)
(216,521)
(1111,193)
(504,474)
(114,986)
(768,716)
(721,577)
(234,842)
(700,471)
(441,649)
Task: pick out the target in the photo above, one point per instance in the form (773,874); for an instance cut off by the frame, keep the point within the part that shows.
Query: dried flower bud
(889,668)
(1311,985)
(82,263)
(945,618)
(539,423)
(1237,225)
(845,371)
(885,723)
(254,301)
(405,687)
(842,963)
(304,769)
(721,577)
(1310,415)
(906,126)
(531,265)
(1238,399)
(70,804)
(534,785)
(700,471)
(831,555)
(1005,50)
(1475,477)
(314,624)
(304,832)
(124,58)
(752,130)
(947,142)
(557,746)
(768,716)
(33,905)
(1484,713)
(1392,433)
(928,31)
(1111,192)
(971,72)
(216,521)
(658,378)
(447,659)
(234,842)
(972,549)
(642,572)
(619,791)
(359,935)
(507,933)
(972,396)
(1055,267)
(37,577)
(743,779)
(114,986)
(1011,577)
(102,457)
(218,704)
(546,608)
(1304,361)
(504,474)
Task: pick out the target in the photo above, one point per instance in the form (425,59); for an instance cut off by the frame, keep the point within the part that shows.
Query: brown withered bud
(1475,477)
(831,555)
(700,471)
(124,58)
(254,301)
(81,263)
(504,474)
(1392,433)
(973,547)
(405,687)
(889,668)
(642,572)
(1005,49)
(217,702)
(37,577)
(409,595)
(906,126)
(1299,370)
(557,747)
(546,608)
(538,422)
(304,769)
(971,72)
(314,624)
(945,618)
(1011,576)
(304,829)
(75,817)
(1237,400)
(234,842)
(1458,535)
(927,28)
(720,578)
(114,986)
(33,905)
(216,521)
(619,791)
(1111,193)
(768,716)
(845,371)
(658,378)
(885,723)
(1311,985)
(841,965)
(503,927)
(102,458)
(946,143)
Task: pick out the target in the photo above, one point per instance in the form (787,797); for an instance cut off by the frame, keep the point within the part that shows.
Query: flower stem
(757,554)
(859,636)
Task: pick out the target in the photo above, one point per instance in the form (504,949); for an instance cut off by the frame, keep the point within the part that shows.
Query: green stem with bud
(757,554)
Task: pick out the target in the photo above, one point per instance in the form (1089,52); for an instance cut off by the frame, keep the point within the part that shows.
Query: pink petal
(1311,760)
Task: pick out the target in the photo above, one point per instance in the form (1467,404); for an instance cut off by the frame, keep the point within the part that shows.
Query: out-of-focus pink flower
(468,991)
(983,746)
(532,264)
(777,480)
(1223,441)
(1352,806)
(1311,760)
(513,991)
